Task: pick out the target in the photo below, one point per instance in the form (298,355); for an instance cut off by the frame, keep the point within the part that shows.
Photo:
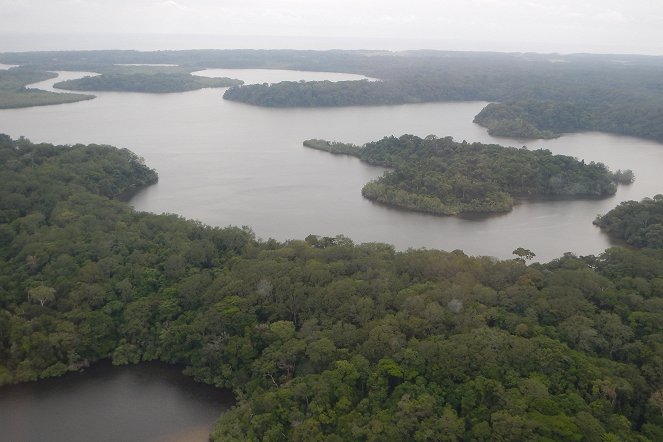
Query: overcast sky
(614,26)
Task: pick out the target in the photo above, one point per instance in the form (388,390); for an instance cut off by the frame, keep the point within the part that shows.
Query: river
(228,163)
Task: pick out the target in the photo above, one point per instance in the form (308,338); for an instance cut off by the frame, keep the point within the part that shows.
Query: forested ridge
(322,339)
(445,177)
(640,224)
(534,95)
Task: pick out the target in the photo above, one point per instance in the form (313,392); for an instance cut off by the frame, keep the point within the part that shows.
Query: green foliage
(607,112)
(333,147)
(508,120)
(640,224)
(152,82)
(13,92)
(523,254)
(322,339)
(317,93)
(623,176)
(444,177)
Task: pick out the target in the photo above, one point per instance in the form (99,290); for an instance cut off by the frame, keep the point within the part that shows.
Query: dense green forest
(548,119)
(151,79)
(13,92)
(444,177)
(640,224)
(319,93)
(322,339)
(539,95)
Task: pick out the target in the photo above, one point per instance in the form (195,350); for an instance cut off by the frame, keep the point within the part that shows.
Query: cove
(227,163)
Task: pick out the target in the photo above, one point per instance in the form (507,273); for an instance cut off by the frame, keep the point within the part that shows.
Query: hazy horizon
(156,42)
(608,26)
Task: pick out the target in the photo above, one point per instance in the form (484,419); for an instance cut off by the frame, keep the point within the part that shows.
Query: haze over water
(230,163)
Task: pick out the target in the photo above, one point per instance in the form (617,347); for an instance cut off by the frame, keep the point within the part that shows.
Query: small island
(444,177)
(149,79)
(639,224)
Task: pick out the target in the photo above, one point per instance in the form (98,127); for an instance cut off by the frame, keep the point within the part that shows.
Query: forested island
(532,95)
(149,79)
(14,94)
(322,339)
(640,224)
(445,177)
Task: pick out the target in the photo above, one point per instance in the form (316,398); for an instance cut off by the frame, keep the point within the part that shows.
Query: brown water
(229,163)
(146,402)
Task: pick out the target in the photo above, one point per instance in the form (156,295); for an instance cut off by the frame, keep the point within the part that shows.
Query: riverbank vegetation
(640,224)
(322,339)
(444,177)
(533,95)
(14,94)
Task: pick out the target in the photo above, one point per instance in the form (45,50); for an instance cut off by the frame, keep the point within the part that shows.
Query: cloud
(610,16)
(174,4)
(508,24)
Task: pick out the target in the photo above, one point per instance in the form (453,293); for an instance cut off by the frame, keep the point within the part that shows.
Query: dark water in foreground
(145,402)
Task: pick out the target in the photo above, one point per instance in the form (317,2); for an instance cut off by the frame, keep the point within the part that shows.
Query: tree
(523,254)
(42,294)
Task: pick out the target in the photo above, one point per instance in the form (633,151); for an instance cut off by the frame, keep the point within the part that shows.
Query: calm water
(147,402)
(229,163)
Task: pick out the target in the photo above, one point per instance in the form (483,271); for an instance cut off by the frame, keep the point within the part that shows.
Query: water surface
(146,402)
(228,163)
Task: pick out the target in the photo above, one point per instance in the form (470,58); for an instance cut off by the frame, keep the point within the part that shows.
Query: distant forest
(537,95)
(444,177)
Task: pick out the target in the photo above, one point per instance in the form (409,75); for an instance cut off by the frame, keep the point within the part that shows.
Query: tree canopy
(322,339)
(640,224)
(445,177)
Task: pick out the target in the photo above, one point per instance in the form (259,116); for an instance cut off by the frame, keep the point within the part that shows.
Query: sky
(598,26)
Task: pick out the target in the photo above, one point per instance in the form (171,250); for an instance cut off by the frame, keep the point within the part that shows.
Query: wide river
(228,163)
